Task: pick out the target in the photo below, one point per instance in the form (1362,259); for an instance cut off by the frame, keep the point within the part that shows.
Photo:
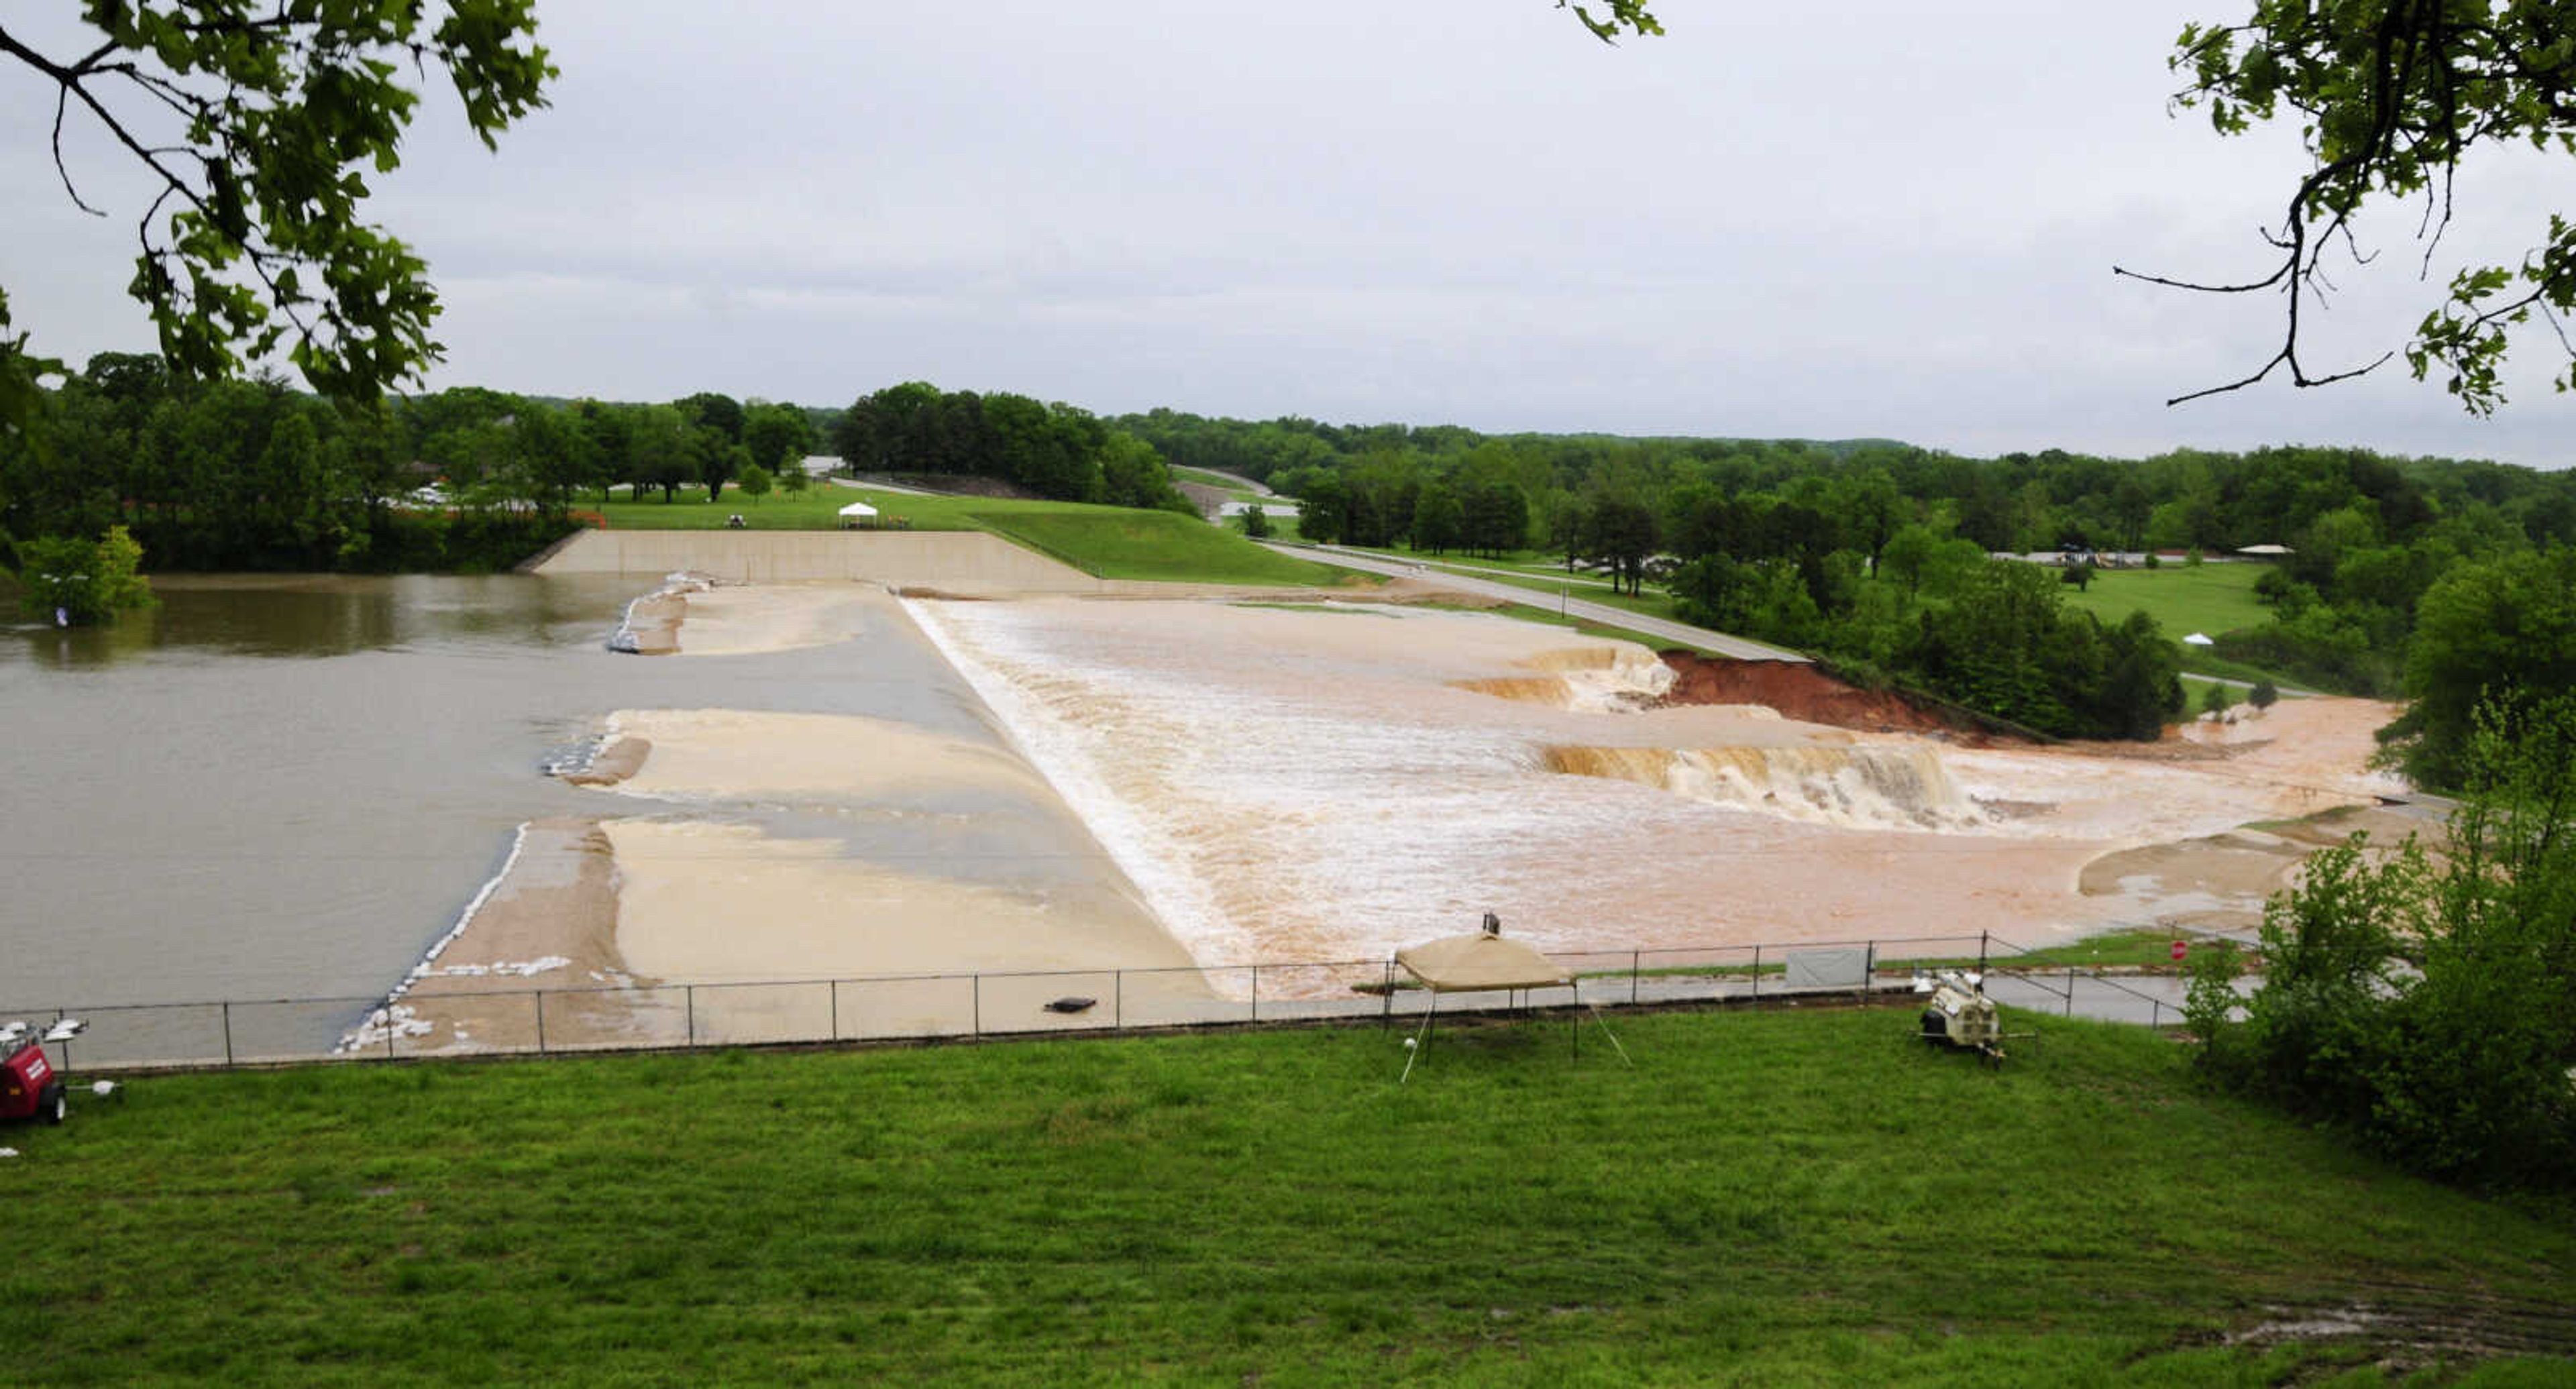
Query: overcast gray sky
(1875,218)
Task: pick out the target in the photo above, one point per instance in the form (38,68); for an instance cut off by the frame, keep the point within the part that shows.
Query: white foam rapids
(1595,679)
(1857,787)
(1302,784)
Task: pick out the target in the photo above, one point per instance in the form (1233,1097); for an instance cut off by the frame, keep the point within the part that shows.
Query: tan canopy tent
(1460,964)
(1485,963)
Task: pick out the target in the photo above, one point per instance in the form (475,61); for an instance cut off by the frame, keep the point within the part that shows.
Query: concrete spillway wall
(952,560)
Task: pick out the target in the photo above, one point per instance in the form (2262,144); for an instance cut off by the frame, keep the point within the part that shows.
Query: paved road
(1257,489)
(1602,613)
(874,486)
(1560,580)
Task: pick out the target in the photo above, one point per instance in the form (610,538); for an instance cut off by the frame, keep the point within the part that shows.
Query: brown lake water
(275,787)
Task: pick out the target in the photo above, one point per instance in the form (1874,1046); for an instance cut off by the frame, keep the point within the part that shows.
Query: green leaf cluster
(1614,17)
(2390,97)
(79,581)
(260,127)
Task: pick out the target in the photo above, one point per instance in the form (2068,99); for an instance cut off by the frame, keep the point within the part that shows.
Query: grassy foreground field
(1112,542)
(1765,1198)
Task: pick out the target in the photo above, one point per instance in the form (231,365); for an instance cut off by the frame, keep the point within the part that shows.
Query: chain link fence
(465,1018)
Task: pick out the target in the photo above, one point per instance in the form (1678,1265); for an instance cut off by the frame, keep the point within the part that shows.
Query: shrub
(2433,1014)
(79,582)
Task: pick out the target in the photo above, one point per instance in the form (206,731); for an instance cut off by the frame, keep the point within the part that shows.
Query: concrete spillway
(960,561)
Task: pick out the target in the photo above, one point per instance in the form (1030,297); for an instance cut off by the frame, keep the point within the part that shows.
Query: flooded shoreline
(826,780)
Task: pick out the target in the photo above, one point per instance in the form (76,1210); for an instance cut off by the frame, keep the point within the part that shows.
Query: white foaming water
(384,1014)
(1594,679)
(1298,808)
(1863,787)
(1302,785)
(625,638)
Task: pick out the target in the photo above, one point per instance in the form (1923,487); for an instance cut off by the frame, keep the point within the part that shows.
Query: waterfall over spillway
(1849,787)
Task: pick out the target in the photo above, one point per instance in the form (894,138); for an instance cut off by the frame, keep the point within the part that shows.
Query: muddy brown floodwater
(1333,782)
(1173,790)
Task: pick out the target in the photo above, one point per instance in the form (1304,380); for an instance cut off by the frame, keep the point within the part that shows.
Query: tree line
(1054,451)
(1873,553)
(249,474)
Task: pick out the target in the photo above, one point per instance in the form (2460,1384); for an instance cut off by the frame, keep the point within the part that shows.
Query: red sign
(2181,948)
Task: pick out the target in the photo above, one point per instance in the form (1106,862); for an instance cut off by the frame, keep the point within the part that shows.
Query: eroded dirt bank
(1804,693)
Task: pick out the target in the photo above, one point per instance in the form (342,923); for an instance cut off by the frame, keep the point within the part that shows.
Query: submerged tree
(75,582)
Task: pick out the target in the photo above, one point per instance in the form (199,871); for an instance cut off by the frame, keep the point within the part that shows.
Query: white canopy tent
(856,512)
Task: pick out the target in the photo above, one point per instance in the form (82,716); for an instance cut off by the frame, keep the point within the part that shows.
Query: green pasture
(2182,598)
(1764,1198)
(1112,542)
(1117,543)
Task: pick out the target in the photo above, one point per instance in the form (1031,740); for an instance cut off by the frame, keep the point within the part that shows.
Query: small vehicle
(30,1088)
(1959,1014)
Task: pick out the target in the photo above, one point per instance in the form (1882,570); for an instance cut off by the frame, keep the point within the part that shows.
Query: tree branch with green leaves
(2391,96)
(259,126)
(1614,18)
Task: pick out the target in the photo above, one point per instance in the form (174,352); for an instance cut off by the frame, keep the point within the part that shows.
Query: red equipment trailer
(29,1086)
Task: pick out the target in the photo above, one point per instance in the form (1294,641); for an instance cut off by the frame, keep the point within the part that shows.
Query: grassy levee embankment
(1768,1198)
(1159,546)
(1108,541)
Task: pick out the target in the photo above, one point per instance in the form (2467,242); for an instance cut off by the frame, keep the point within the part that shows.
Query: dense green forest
(252,475)
(1051,451)
(2430,578)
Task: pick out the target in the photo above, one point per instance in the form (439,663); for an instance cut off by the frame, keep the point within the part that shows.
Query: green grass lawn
(1766,1198)
(2183,599)
(2195,697)
(1112,542)
(2210,598)
(1116,543)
